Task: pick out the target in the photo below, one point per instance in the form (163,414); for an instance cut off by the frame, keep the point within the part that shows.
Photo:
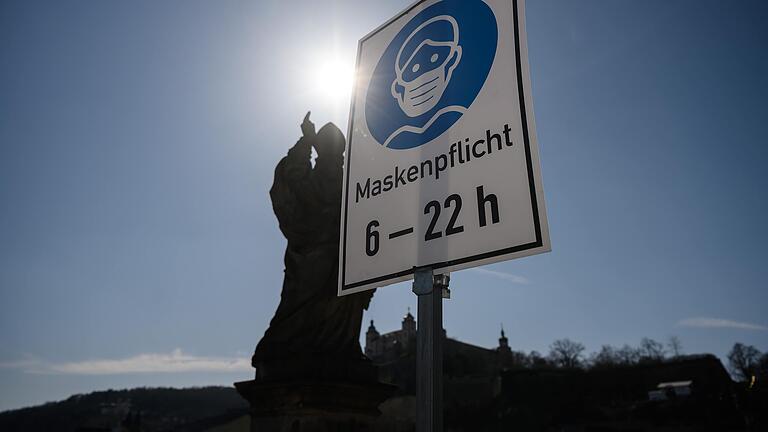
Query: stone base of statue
(324,397)
(313,406)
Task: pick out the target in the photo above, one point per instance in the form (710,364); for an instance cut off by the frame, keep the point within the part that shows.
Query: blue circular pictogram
(430,73)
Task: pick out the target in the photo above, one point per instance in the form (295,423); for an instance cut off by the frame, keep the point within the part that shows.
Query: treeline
(745,362)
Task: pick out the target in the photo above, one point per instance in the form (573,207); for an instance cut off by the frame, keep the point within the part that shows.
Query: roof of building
(675,384)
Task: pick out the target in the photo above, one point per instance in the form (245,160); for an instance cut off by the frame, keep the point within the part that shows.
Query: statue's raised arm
(293,193)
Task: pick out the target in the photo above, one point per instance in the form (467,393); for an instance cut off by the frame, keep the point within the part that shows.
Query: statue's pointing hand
(307,127)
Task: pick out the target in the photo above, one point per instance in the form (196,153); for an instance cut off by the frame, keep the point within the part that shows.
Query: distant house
(113,417)
(671,390)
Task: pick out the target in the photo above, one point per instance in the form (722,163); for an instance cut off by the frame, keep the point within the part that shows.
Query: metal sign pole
(430,289)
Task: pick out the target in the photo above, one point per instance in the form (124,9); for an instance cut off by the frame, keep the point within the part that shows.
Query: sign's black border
(528,162)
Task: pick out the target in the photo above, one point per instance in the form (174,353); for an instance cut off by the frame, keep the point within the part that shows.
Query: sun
(334,79)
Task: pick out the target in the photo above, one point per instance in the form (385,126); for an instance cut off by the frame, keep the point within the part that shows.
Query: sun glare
(333,81)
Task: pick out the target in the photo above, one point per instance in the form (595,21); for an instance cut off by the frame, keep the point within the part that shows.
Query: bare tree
(536,360)
(627,355)
(516,359)
(606,357)
(675,346)
(566,353)
(650,350)
(743,361)
(762,367)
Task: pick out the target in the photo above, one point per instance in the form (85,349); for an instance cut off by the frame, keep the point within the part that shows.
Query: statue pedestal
(313,406)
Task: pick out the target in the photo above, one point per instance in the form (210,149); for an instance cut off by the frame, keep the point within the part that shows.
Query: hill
(145,409)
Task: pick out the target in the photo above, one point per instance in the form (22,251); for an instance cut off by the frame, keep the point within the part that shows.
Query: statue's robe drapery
(311,323)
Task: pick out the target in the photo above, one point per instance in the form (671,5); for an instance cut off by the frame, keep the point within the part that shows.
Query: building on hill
(381,348)
(467,367)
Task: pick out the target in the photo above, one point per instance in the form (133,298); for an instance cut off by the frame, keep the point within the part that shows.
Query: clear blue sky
(137,142)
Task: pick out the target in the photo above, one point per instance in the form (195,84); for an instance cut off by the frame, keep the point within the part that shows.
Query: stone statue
(314,334)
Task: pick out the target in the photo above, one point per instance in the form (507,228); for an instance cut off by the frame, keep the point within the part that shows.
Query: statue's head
(329,141)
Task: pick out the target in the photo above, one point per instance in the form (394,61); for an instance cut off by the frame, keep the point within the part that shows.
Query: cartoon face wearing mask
(425,63)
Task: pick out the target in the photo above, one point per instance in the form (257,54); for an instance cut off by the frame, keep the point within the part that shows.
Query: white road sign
(442,165)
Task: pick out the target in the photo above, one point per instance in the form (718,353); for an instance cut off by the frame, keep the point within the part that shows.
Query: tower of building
(409,324)
(371,336)
(503,342)
(372,333)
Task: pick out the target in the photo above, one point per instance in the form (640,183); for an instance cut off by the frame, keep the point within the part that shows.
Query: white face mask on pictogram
(422,78)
